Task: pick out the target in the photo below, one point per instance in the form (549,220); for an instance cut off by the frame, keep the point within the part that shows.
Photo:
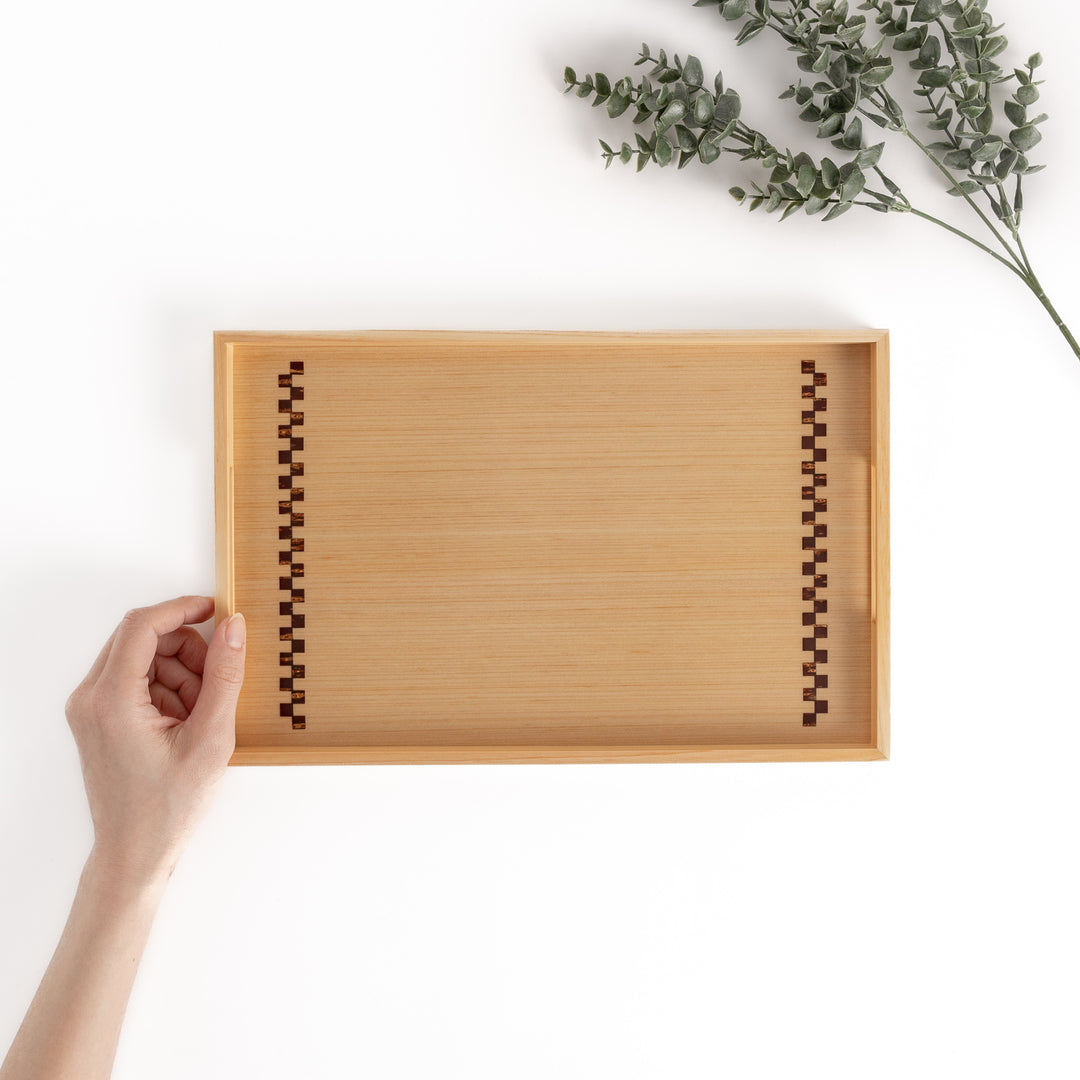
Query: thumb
(213,720)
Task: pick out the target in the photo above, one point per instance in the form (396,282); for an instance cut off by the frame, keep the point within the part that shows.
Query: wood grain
(556,547)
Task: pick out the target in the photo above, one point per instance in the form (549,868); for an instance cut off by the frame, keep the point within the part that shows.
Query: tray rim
(878,747)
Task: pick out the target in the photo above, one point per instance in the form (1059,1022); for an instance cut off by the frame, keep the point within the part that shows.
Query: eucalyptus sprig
(975,121)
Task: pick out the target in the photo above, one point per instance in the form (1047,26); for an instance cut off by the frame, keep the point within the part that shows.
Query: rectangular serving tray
(556,547)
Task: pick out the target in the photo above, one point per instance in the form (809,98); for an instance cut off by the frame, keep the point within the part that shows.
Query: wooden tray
(556,547)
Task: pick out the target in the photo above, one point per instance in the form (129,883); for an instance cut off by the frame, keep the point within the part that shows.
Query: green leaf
(868,158)
(1027,95)
(814,204)
(987,148)
(940,123)
(993,47)
(773,202)
(671,115)
(617,104)
(603,86)
(838,209)
(830,174)
(877,74)
(708,149)
(929,54)
(1016,113)
(570,76)
(853,135)
(737,194)
(936,77)
(965,187)
(687,141)
(805,182)
(853,30)
(728,106)
(663,151)
(1035,60)
(791,208)
(692,74)
(1024,138)
(607,149)
(1005,163)
(823,60)
(852,184)
(910,40)
(958,159)
(704,108)
(626,153)
(926,11)
(830,126)
(749,30)
(734,9)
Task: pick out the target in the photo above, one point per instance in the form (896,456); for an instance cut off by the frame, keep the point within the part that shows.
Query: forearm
(73,1024)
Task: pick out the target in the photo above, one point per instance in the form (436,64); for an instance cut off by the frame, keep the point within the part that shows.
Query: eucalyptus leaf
(671,115)
(1024,138)
(708,150)
(728,106)
(692,73)
(1016,113)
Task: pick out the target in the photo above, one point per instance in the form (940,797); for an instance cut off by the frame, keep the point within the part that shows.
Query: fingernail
(236,631)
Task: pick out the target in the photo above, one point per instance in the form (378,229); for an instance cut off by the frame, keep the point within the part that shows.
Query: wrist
(126,877)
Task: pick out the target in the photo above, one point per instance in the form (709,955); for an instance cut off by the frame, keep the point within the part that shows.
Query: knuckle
(74,705)
(231,675)
(86,706)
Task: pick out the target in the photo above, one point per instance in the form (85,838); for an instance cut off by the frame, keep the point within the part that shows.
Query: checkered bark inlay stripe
(291,544)
(815,534)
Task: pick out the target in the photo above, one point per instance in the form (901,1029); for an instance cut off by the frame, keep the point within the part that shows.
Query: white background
(169,170)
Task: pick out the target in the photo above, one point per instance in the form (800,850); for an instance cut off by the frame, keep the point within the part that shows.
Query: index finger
(136,639)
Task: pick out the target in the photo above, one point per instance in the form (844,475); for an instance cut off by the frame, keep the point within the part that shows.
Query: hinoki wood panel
(556,547)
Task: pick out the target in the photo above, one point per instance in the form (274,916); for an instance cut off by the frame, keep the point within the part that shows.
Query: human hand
(154,722)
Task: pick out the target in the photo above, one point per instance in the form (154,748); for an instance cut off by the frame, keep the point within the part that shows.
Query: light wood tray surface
(474,547)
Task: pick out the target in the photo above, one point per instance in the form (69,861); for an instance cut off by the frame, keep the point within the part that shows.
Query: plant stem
(967,198)
(1035,286)
(1026,276)
(971,240)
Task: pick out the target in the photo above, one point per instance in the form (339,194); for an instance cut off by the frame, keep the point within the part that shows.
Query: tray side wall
(879,626)
(223,477)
